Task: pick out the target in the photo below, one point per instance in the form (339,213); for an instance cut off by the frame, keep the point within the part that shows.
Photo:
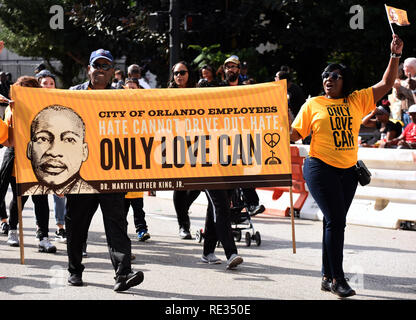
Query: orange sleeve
(4,131)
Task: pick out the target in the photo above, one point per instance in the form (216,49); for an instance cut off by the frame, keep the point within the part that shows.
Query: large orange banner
(97,141)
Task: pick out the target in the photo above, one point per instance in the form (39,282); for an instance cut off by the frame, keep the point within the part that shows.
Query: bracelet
(395,55)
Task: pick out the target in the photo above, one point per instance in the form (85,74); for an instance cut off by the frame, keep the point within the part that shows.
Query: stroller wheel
(257,238)
(198,235)
(248,239)
(237,235)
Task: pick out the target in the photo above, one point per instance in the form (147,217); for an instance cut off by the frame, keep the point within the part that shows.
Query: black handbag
(364,175)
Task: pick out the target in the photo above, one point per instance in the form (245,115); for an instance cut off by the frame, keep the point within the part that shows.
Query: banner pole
(19,210)
(292,218)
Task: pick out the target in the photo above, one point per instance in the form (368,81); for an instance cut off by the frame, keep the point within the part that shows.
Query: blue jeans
(333,190)
(406,119)
(60,210)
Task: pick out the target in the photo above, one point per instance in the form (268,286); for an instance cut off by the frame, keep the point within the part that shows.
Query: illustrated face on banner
(57,148)
(393,15)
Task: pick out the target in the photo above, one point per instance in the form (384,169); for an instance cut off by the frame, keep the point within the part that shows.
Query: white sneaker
(46,246)
(234,261)
(211,259)
(12,238)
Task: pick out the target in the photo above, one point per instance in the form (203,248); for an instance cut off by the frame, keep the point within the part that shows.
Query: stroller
(240,220)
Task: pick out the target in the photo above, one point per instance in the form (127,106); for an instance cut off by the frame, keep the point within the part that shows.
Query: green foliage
(304,35)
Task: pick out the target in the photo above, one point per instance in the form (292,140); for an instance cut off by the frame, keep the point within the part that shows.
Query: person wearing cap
(231,68)
(380,118)
(46,79)
(232,72)
(81,207)
(407,140)
(135,71)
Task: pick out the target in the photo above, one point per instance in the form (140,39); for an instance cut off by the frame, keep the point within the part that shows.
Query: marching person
(181,77)
(82,207)
(47,80)
(40,201)
(329,171)
(232,72)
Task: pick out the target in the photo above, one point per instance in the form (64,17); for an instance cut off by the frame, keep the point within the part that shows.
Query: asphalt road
(379,262)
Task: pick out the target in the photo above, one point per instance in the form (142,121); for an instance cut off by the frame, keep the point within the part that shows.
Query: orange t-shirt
(335,124)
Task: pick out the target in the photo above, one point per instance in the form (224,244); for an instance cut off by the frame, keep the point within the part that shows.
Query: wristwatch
(395,55)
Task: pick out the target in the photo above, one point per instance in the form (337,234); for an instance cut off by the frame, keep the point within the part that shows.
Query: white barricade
(389,199)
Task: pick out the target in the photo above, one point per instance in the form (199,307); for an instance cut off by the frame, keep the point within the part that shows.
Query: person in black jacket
(81,207)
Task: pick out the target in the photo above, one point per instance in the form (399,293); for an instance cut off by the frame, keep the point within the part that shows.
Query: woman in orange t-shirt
(334,120)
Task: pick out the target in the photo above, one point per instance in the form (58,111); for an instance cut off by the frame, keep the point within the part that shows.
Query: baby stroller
(240,220)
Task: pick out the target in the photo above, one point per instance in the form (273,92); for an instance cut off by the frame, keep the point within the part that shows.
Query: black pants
(41,210)
(6,170)
(3,211)
(333,190)
(40,201)
(250,196)
(218,224)
(80,211)
(182,201)
(138,212)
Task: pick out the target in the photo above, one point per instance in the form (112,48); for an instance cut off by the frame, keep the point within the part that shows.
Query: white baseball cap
(412,108)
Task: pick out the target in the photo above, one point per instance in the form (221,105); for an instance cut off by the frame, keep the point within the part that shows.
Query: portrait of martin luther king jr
(57,150)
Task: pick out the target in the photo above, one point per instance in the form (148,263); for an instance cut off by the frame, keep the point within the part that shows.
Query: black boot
(342,289)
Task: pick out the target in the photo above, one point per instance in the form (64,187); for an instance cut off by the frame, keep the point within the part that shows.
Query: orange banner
(96,141)
(397,16)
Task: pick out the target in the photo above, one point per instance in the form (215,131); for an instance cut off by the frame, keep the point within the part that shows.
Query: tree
(26,30)
(304,34)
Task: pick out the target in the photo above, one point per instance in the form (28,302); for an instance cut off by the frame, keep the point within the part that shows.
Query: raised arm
(390,75)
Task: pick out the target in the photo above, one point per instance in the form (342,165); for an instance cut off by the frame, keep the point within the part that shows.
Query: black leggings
(41,210)
(182,200)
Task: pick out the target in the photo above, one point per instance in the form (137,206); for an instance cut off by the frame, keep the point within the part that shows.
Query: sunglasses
(104,66)
(182,73)
(333,75)
(232,67)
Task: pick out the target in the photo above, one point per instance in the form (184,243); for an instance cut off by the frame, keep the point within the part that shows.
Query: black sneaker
(342,289)
(4,229)
(125,282)
(253,210)
(184,234)
(39,235)
(75,280)
(60,235)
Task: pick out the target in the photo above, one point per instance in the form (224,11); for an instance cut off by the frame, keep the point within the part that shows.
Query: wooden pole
(19,210)
(292,218)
